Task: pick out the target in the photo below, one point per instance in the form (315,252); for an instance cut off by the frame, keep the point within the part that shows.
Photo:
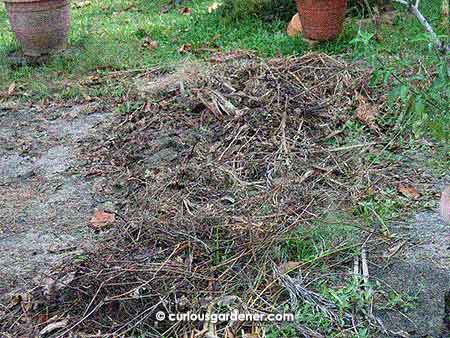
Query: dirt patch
(44,204)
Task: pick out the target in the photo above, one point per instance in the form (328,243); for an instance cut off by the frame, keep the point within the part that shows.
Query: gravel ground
(44,204)
(421,271)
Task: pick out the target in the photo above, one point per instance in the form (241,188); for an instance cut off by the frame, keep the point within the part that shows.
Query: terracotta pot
(322,19)
(41,26)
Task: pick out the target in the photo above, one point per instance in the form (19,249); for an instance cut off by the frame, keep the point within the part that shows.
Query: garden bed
(212,171)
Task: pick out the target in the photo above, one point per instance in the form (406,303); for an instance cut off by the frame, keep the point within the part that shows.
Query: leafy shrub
(359,8)
(264,9)
(270,10)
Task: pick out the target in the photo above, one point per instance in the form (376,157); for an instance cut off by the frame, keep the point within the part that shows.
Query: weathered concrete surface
(422,271)
(45,204)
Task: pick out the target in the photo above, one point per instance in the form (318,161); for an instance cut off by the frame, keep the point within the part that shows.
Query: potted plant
(41,26)
(321,19)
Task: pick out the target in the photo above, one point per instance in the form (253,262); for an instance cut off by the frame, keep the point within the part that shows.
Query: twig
(414,9)
(364,266)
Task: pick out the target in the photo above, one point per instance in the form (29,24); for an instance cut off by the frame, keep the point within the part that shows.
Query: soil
(45,205)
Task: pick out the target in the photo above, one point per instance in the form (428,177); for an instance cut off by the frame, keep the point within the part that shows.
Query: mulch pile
(210,173)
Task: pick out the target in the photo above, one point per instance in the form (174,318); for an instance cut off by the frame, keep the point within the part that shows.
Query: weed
(400,301)
(380,207)
(349,297)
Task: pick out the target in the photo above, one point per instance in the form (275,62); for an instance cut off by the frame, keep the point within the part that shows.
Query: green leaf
(387,76)
(419,106)
(443,72)
(404,91)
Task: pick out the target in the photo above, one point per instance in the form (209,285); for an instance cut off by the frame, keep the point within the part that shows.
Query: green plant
(424,104)
(349,298)
(400,301)
(380,207)
(264,9)
(362,42)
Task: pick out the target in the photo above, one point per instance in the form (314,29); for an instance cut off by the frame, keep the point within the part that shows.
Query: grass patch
(110,34)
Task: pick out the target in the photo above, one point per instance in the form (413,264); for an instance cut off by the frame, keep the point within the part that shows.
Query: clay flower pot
(322,19)
(41,26)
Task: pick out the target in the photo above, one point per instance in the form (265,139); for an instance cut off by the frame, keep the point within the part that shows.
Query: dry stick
(99,305)
(232,142)
(365,272)
(283,135)
(346,147)
(149,281)
(356,266)
(445,13)
(365,268)
(324,255)
(144,315)
(414,9)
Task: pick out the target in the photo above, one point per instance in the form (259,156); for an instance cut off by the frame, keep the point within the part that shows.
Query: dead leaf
(102,219)
(54,326)
(367,113)
(409,191)
(166,8)
(43,318)
(150,44)
(81,4)
(91,80)
(288,266)
(213,7)
(394,249)
(186,11)
(24,299)
(52,286)
(148,107)
(86,97)
(185,48)
(295,27)
(15,300)
(12,89)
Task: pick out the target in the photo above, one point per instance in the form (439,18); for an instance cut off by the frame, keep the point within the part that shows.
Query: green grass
(110,34)
(105,35)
